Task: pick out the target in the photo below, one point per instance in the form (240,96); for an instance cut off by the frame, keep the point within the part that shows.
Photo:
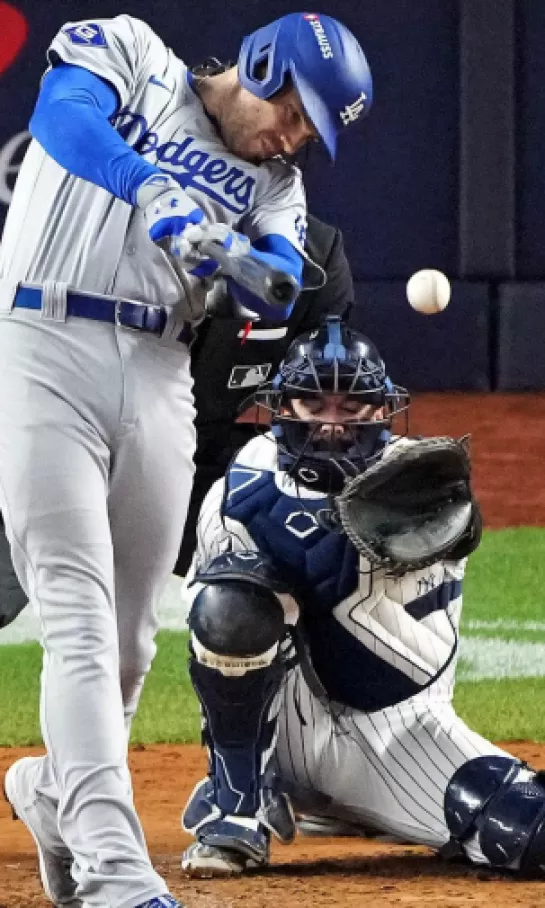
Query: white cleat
(209,861)
(39,816)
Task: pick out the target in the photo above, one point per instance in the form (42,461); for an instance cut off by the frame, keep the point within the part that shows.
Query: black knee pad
(13,598)
(503,802)
(237,618)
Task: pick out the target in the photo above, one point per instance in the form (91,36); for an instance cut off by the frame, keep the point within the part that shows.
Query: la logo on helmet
(352,111)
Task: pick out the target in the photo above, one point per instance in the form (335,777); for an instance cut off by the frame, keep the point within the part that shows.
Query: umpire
(226,369)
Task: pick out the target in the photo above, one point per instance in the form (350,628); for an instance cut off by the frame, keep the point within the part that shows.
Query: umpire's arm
(337,295)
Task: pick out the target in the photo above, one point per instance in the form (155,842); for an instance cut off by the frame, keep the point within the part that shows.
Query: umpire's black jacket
(226,371)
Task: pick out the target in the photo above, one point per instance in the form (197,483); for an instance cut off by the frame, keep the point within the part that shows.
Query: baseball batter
(132,155)
(349,715)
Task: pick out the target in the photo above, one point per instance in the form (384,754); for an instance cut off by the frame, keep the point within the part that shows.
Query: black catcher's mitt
(414,507)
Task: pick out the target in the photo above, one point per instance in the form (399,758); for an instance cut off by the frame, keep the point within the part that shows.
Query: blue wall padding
(446,351)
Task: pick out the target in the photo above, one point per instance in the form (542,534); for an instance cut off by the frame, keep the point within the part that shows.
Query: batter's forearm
(70,121)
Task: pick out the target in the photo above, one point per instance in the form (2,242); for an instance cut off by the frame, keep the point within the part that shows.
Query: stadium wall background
(448,172)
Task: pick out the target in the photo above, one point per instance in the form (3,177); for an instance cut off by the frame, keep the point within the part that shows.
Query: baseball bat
(275,287)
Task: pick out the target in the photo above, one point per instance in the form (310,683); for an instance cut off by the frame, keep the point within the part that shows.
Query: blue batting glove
(168,211)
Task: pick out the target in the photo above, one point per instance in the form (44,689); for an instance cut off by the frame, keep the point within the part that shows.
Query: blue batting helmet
(333,359)
(325,63)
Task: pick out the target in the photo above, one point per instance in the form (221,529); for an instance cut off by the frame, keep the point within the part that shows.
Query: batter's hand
(188,247)
(170,216)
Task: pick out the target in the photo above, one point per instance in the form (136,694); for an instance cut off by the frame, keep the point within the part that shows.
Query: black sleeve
(205,476)
(337,295)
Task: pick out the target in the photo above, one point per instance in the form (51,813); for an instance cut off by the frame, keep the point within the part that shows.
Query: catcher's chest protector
(320,564)
(358,662)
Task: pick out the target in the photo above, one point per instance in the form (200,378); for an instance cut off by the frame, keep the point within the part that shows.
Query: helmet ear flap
(261,64)
(261,68)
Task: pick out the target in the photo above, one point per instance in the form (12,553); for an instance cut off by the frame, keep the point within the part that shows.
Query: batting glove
(170,216)
(187,247)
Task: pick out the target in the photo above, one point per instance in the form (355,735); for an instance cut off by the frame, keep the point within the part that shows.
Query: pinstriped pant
(387,770)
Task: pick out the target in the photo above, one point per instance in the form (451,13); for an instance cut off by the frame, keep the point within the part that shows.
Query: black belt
(124,313)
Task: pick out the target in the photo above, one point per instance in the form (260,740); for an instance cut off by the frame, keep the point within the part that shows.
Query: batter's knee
(500,803)
(235,618)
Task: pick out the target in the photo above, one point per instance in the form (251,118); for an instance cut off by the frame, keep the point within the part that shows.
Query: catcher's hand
(414,507)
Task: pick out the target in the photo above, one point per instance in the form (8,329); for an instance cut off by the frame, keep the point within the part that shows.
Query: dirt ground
(509,453)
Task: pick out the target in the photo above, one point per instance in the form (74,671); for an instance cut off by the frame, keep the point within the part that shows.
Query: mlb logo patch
(89,33)
(248,376)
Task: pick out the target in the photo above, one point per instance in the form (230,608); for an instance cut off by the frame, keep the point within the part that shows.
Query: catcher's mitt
(414,507)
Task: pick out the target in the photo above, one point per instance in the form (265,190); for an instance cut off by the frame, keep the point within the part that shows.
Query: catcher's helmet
(333,359)
(323,60)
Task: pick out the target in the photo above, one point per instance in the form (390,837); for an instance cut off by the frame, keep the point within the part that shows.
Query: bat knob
(283,289)
(283,292)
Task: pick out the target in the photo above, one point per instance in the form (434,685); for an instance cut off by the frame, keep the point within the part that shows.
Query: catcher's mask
(329,363)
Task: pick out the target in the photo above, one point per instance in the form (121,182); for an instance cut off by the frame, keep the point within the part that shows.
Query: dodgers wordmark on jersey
(63,228)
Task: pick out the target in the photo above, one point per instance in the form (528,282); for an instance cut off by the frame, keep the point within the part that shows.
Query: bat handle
(275,287)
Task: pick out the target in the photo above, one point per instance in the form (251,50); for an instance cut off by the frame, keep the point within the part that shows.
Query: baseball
(428,291)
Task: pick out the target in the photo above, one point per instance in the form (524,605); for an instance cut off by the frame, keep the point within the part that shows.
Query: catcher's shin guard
(499,803)
(237,670)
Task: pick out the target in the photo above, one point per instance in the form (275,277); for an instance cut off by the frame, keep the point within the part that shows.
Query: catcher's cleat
(39,815)
(230,845)
(226,848)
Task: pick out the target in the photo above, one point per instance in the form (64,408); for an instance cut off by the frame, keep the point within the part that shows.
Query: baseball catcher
(324,632)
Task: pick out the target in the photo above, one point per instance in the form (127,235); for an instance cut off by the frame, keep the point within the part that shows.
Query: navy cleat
(228,845)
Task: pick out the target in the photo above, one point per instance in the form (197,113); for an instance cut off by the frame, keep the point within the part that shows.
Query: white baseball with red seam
(428,291)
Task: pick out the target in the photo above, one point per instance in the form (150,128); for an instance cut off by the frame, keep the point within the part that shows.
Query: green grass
(168,709)
(505,582)
(506,577)
(20,674)
(506,710)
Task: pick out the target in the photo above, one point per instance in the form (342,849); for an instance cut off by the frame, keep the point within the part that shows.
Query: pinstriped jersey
(62,228)
(374,640)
